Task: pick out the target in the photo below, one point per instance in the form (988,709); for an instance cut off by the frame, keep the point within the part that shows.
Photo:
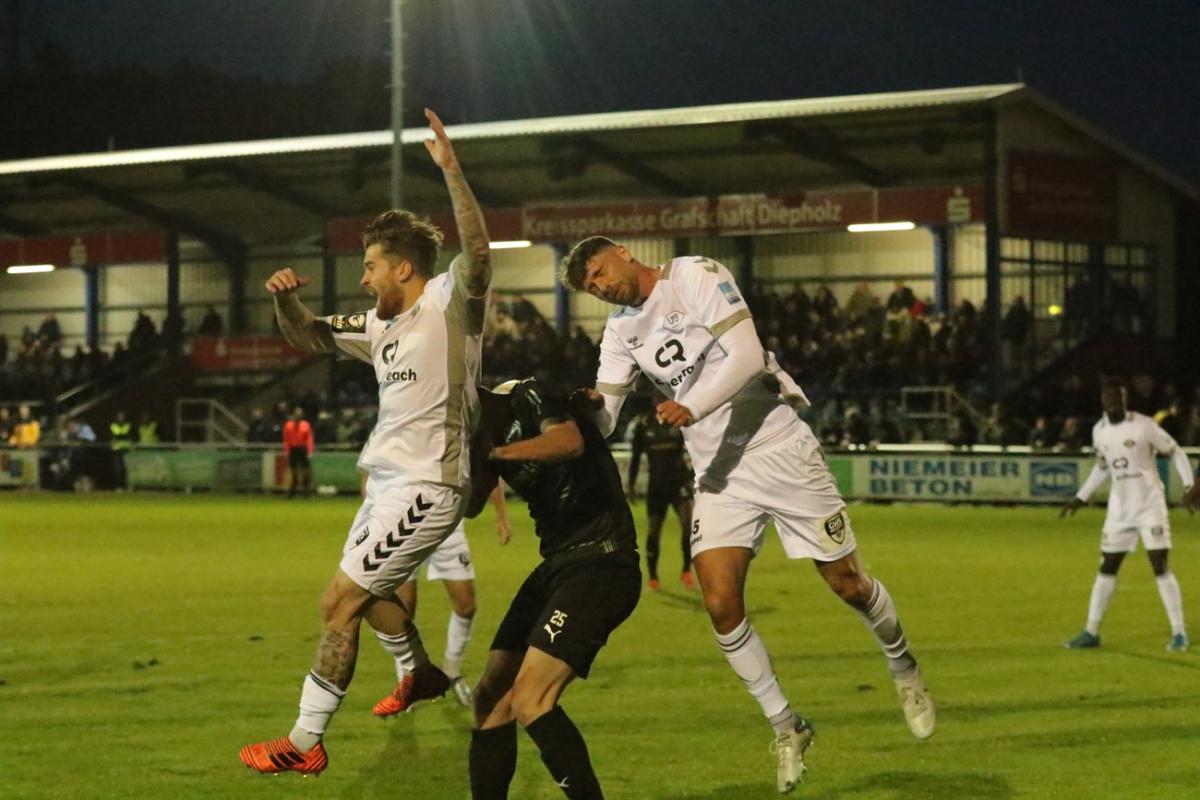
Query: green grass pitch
(145,638)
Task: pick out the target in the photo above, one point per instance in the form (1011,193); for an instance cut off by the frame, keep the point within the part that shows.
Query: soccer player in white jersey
(1127,444)
(424,339)
(450,564)
(686,326)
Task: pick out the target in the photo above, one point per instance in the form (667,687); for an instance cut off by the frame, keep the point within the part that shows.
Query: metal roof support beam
(19,226)
(633,167)
(223,244)
(820,146)
(270,185)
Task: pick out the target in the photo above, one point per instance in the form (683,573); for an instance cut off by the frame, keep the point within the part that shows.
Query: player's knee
(530,702)
(854,590)
(725,609)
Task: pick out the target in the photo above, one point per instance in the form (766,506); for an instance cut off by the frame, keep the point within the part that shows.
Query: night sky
(1131,67)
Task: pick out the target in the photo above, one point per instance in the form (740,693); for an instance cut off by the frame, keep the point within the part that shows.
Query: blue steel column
(91,304)
(941,267)
(991,211)
(173,309)
(562,295)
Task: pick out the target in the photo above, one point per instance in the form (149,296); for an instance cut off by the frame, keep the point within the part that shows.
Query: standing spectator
(1015,328)
(49,333)
(27,431)
(861,303)
(1173,420)
(147,431)
(298,446)
(523,311)
(1072,438)
(6,425)
(901,298)
(963,432)
(259,430)
(120,432)
(212,324)
(143,335)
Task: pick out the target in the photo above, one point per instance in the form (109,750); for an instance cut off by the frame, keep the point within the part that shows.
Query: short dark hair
(1114,383)
(403,234)
(571,272)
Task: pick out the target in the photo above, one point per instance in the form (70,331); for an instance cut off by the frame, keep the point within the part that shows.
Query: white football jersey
(674,339)
(427,363)
(1126,453)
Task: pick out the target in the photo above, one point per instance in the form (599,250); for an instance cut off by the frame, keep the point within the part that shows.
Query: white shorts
(451,561)
(788,483)
(399,525)
(1124,540)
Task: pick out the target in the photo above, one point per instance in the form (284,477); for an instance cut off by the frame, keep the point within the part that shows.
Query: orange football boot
(426,683)
(280,755)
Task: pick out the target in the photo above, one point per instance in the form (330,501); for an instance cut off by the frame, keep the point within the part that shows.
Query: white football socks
(318,701)
(1172,599)
(881,619)
(406,648)
(458,635)
(1102,592)
(748,657)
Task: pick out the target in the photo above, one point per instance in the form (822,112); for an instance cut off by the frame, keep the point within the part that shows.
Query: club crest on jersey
(1129,442)
(674,321)
(835,528)
(349,323)
(731,295)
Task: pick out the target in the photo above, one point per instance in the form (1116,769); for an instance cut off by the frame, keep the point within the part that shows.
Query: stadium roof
(280,190)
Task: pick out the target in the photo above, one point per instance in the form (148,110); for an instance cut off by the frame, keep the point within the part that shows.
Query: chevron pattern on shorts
(375,558)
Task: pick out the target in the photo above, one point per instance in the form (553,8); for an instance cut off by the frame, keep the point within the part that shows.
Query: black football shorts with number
(568,609)
(588,582)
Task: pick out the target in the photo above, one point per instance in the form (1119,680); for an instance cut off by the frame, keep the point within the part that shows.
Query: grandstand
(1036,251)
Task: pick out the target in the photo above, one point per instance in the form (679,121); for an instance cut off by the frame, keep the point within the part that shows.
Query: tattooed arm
(300,326)
(475,265)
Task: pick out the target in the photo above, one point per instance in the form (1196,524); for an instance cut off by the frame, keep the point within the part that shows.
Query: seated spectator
(212,324)
(27,431)
(1040,436)
(1073,437)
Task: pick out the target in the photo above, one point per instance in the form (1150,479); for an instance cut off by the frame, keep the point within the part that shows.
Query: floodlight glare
(23,269)
(875,227)
(513,245)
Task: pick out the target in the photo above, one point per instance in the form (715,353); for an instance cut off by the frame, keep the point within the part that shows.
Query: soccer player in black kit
(587,584)
(670,486)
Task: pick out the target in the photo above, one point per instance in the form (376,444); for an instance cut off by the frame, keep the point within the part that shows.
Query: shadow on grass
(890,785)
(404,765)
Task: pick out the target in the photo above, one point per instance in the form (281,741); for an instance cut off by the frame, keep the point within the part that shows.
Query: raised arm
(475,264)
(300,326)
(558,441)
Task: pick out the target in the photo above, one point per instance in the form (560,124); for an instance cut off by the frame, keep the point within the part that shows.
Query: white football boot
(919,711)
(789,750)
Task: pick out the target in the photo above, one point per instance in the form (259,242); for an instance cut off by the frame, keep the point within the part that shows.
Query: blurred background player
(1126,445)
(669,486)
(686,326)
(587,584)
(450,563)
(298,447)
(424,339)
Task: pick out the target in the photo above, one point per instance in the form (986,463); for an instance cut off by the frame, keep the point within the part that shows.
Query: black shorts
(298,458)
(660,498)
(569,611)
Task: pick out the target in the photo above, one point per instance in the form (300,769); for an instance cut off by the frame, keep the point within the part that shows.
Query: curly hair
(403,234)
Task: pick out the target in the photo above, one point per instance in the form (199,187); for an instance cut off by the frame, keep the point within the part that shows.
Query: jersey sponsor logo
(731,295)
(674,321)
(1053,479)
(401,375)
(835,528)
(389,351)
(671,351)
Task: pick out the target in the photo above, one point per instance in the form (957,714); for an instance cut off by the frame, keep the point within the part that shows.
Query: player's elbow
(571,442)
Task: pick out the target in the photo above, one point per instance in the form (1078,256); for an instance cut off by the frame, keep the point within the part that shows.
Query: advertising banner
(19,468)
(1058,196)
(244,354)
